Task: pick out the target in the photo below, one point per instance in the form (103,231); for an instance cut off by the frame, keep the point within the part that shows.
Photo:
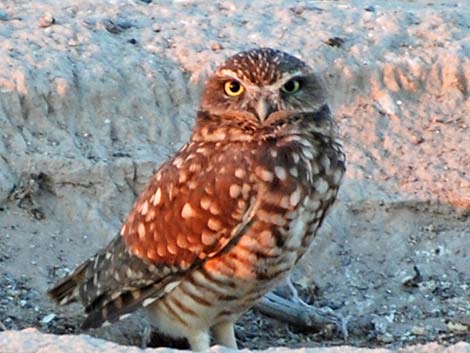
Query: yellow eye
(292,86)
(233,88)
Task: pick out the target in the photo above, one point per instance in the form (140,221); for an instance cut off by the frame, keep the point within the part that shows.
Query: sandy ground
(92,103)
(32,341)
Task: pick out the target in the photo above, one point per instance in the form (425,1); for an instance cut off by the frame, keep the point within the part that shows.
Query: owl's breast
(299,178)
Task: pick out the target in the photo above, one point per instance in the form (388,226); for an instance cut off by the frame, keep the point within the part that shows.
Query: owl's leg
(284,304)
(224,334)
(199,341)
(146,336)
(196,334)
(287,290)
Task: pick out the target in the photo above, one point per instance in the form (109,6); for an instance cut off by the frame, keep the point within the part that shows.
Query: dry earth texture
(94,95)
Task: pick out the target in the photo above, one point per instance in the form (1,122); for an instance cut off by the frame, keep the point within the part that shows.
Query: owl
(225,219)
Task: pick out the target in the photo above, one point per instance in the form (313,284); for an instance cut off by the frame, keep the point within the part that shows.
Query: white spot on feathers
(208,238)
(183,176)
(325,162)
(205,203)
(321,185)
(214,224)
(141,230)
(296,157)
(280,172)
(157,197)
(144,208)
(178,162)
(187,211)
(235,191)
(240,173)
(148,301)
(130,273)
(115,295)
(170,286)
(337,176)
(264,174)
(295,197)
(307,153)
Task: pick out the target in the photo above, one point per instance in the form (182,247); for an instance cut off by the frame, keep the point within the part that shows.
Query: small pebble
(111,27)
(457,327)
(89,23)
(416,140)
(412,281)
(429,286)
(46,20)
(48,318)
(385,338)
(298,10)
(124,24)
(4,15)
(334,42)
(418,331)
(216,46)
(73,42)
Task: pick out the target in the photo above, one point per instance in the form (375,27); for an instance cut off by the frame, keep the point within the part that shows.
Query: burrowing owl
(225,219)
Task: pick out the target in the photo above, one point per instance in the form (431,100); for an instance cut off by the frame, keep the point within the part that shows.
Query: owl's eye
(233,88)
(292,86)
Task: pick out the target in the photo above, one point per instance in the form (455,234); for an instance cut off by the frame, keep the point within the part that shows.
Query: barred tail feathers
(119,305)
(66,290)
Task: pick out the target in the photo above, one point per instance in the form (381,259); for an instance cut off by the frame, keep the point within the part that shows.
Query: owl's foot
(284,304)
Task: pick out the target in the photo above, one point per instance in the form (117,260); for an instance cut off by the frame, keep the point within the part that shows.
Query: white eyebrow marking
(285,78)
(228,73)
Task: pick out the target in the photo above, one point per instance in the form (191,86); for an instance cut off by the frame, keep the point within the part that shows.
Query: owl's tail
(66,290)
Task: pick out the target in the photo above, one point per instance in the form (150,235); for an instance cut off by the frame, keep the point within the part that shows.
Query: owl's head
(256,83)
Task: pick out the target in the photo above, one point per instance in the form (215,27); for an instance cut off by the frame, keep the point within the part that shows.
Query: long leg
(224,334)
(199,341)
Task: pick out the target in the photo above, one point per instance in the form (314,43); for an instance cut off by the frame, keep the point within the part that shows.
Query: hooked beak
(263,108)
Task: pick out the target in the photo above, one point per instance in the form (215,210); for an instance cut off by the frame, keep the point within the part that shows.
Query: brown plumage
(225,219)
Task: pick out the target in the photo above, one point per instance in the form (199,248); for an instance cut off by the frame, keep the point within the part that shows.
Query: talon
(298,313)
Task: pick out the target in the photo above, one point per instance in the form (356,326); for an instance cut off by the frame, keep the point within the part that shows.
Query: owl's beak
(263,108)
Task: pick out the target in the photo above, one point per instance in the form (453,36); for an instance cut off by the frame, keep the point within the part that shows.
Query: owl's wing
(194,208)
